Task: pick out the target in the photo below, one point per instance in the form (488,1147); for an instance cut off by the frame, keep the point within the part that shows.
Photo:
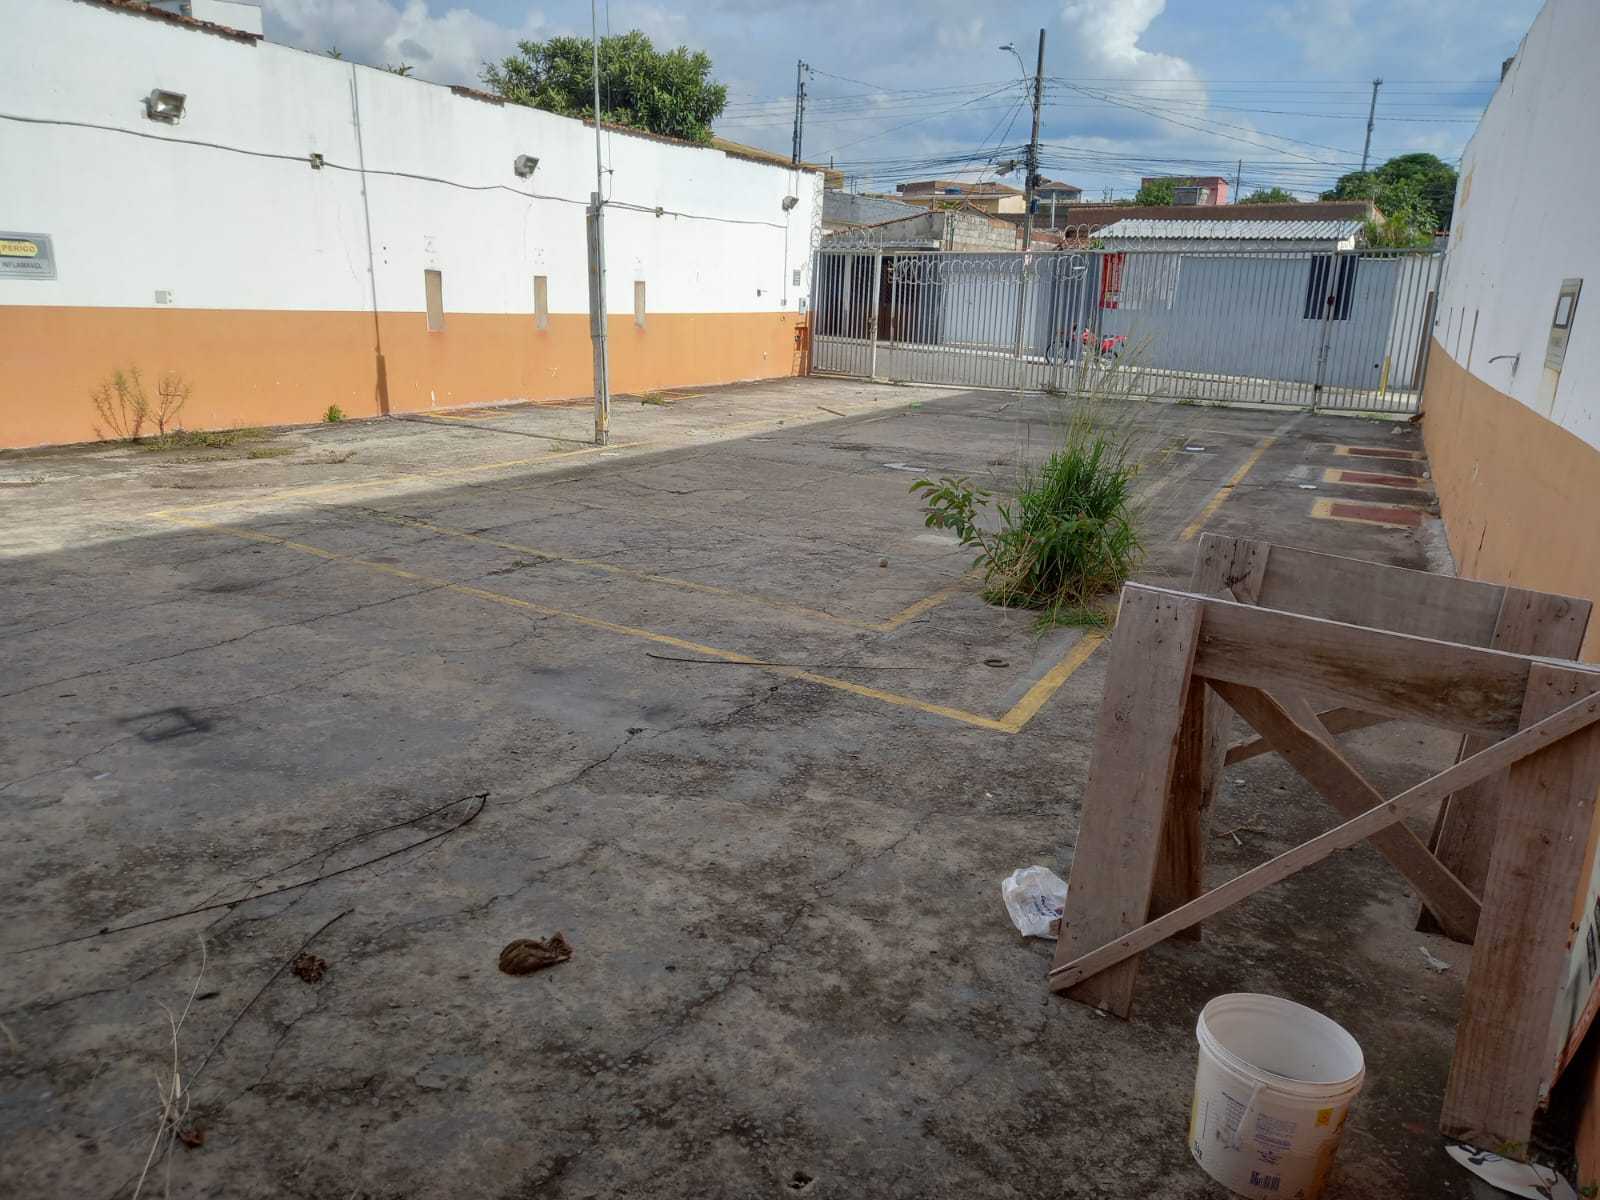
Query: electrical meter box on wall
(1561,324)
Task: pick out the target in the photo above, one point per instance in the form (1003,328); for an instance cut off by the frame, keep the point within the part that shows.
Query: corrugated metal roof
(1236,230)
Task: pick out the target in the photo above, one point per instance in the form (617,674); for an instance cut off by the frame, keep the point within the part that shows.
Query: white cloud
(449,48)
(956,35)
(1103,39)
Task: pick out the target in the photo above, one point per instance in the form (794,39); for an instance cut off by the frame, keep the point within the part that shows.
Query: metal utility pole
(1238,174)
(799,109)
(1032,180)
(1372,113)
(597,260)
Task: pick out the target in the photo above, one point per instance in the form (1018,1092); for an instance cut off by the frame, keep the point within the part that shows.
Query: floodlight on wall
(165,106)
(789,202)
(524,165)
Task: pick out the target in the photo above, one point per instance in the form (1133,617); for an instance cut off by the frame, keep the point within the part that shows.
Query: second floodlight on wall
(525,165)
(162,105)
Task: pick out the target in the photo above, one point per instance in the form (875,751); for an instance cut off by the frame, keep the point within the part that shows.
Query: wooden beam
(1181,861)
(1232,567)
(1506,1049)
(1580,715)
(1135,749)
(1312,753)
(1334,720)
(1356,592)
(1390,674)
(1528,623)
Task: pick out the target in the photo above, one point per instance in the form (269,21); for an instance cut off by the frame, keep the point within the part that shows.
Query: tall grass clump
(1067,538)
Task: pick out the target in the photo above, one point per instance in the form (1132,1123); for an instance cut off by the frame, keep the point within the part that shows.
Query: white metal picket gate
(1346,330)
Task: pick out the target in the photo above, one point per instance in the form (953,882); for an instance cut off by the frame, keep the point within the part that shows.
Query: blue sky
(1133,87)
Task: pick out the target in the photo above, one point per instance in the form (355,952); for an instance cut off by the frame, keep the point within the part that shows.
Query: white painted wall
(1525,219)
(132,209)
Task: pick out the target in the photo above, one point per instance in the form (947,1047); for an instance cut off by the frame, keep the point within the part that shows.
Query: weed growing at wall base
(1067,538)
(334,415)
(125,408)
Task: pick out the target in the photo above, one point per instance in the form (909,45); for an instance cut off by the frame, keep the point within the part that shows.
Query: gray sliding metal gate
(1345,330)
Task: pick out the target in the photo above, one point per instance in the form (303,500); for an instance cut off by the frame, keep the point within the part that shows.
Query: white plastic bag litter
(1034,897)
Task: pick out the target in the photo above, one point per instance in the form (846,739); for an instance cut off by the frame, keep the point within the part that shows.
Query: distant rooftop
(1168,228)
(955,187)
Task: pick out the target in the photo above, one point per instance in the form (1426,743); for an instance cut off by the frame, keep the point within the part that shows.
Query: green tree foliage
(1274,195)
(669,92)
(1427,179)
(1157,191)
(1407,218)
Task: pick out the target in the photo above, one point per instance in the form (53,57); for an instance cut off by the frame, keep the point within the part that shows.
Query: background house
(1181,233)
(1193,189)
(939,229)
(852,210)
(942,193)
(1086,221)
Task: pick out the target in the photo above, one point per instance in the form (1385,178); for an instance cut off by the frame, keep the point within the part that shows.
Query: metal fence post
(874,299)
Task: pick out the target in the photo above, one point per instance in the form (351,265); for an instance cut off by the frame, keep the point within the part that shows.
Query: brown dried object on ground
(527,955)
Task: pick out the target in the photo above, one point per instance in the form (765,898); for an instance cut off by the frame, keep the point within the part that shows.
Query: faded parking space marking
(1379,452)
(1408,483)
(1012,721)
(1394,516)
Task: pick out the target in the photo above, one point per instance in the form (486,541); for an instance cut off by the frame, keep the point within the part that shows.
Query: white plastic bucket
(1274,1085)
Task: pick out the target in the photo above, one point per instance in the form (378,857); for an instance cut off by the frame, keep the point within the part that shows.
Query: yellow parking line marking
(1226,490)
(1050,683)
(595,564)
(909,613)
(927,604)
(1013,720)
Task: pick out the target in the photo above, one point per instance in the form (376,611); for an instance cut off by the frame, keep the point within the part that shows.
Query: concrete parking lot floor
(712,703)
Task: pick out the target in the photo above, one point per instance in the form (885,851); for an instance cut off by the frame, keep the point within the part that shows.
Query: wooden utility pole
(1031,183)
(799,109)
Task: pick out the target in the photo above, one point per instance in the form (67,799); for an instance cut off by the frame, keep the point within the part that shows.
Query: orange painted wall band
(271,367)
(1516,490)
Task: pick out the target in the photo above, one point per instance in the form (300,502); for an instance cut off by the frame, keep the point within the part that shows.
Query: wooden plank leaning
(1229,566)
(1074,970)
(1319,761)
(1334,720)
(1130,771)
(1507,1050)
(1539,623)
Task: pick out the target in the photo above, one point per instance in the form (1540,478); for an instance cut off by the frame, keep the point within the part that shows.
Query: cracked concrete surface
(792,970)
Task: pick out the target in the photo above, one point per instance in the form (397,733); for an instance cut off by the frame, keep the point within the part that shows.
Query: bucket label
(1324,1115)
(1273,1134)
(1267,1183)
